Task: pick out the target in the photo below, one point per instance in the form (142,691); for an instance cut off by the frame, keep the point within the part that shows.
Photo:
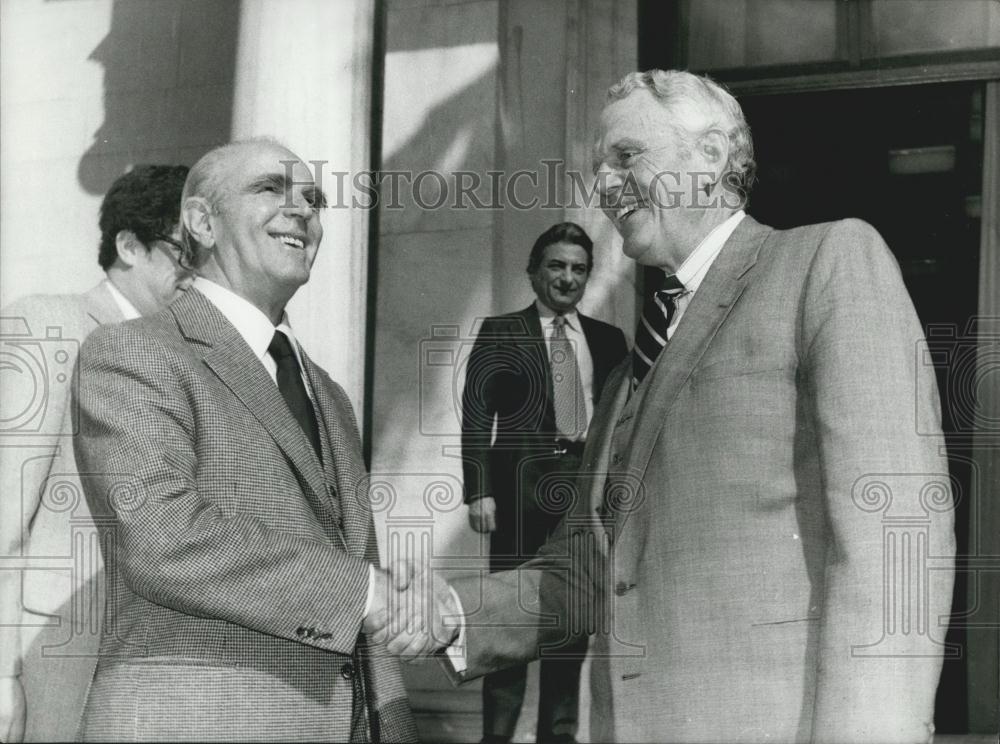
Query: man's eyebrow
(274,180)
(628,144)
(280,183)
(618,147)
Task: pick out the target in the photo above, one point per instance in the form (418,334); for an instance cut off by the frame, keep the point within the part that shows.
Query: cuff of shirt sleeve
(456,651)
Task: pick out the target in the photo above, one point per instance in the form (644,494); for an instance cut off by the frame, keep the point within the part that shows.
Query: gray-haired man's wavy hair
(696,104)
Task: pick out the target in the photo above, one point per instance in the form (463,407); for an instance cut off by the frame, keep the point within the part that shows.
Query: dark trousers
(522,527)
(558,698)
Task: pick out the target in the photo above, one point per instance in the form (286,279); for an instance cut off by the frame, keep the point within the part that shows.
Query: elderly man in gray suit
(765,478)
(232,494)
(51,611)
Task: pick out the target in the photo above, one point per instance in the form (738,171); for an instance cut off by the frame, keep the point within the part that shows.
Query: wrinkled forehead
(564,251)
(640,118)
(635,119)
(255,160)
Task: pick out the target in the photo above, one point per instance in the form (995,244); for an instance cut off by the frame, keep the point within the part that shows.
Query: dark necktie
(293,390)
(651,335)
(567,388)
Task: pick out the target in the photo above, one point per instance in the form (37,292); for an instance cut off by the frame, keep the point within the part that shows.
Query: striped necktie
(651,335)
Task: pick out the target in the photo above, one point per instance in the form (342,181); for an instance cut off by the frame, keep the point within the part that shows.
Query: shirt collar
(128,309)
(546,315)
(693,270)
(247,319)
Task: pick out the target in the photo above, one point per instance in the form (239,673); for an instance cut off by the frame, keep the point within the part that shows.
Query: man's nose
(609,181)
(298,206)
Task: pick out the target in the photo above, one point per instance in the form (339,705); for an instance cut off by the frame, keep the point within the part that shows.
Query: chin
(633,251)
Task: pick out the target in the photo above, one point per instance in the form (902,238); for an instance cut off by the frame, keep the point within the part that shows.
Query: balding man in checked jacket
(229,488)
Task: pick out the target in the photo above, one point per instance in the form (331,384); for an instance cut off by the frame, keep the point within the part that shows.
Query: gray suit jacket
(237,561)
(45,520)
(779,567)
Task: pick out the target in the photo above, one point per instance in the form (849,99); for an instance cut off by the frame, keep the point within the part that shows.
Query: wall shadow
(169,68)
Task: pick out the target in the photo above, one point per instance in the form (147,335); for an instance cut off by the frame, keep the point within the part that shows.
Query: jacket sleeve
(172,545)
(480,405)
(34,398)
(887,494)
(515,616)
(619,345)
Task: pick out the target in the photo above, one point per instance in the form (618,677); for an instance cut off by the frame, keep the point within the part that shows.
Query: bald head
(206,177)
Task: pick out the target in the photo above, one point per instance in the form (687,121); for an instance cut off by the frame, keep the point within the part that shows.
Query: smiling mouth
(293,241)
(623,213)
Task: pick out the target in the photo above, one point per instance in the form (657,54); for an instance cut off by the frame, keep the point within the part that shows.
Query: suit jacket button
(620,588)
(347,671)
(616,459)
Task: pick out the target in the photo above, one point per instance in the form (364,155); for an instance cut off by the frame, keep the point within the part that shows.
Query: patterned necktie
(651,335)
(567,388)
(293,390)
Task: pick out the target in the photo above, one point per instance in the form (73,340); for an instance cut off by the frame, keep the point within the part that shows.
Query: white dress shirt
(255,327)
(584,360)
(693,270)
(128,309)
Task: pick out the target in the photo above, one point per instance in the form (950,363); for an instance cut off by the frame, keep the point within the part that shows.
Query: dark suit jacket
(237,562)
(509,382)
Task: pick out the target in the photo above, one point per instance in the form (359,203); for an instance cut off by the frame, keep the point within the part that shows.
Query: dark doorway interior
(909,161)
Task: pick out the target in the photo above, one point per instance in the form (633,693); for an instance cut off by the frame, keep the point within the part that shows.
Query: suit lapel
(232,361)
(597,453)
(536,339)
(345,468)
(598,354)
(723,284)
(715,298)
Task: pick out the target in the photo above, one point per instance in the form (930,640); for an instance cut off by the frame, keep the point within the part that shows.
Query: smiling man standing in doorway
(535,375)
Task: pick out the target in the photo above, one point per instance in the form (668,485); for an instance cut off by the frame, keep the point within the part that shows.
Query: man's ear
(196,214)
(128,247)
(713,150)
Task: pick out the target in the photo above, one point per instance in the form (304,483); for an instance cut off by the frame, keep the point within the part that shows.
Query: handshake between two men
(413,612)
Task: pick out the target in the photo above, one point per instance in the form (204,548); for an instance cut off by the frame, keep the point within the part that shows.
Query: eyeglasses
(183,252)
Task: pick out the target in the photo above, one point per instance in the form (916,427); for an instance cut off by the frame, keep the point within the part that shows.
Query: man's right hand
(13,709)
(483,514)
(413,612)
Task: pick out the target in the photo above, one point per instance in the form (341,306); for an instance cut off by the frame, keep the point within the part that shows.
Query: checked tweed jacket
(237,561)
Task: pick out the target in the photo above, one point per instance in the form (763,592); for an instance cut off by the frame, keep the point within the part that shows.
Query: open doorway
(909,160)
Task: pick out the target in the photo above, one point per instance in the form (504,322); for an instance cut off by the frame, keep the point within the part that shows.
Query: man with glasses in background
(49,628)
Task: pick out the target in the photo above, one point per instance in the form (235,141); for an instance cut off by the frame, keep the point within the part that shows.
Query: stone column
(303,76)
